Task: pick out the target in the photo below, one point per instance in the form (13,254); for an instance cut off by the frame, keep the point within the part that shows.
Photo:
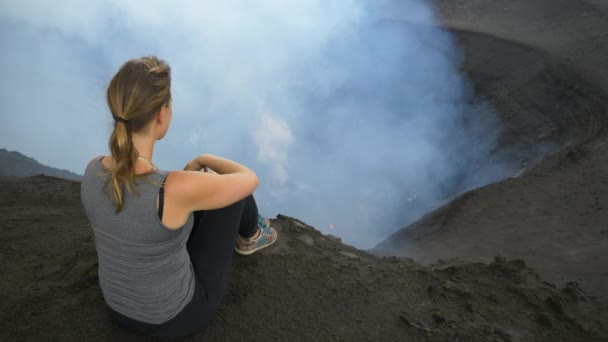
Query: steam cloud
(351,112)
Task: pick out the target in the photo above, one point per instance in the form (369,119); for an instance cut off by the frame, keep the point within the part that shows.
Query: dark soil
(308,286)
(541,64)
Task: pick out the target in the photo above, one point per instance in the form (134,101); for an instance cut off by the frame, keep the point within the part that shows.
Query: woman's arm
(217,164)
(204,191)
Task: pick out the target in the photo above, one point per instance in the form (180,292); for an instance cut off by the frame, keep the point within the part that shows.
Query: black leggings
(211,246)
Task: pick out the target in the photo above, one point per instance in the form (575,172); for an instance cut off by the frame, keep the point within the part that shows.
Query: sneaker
(266,237)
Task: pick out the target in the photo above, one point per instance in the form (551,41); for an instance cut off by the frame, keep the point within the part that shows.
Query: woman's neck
(144,145)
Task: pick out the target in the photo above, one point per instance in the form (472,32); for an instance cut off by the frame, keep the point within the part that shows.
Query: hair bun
(158,70)
(155,65)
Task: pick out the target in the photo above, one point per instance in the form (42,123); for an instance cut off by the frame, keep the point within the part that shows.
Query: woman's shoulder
(93,160)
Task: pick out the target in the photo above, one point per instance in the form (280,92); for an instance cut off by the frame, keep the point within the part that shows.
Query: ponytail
(124,154)
(135,95)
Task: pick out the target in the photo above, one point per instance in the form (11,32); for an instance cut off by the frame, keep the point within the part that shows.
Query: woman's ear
(159,115)
(163,114)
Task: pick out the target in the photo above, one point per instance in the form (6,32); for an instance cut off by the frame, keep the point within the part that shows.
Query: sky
(351,112)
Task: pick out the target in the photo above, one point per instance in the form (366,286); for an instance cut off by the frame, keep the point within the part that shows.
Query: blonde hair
(135,94)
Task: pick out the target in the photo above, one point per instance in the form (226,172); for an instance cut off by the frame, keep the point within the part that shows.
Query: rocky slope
(541,63)
(308,286)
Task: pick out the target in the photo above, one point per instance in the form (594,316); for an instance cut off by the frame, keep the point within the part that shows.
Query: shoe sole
(255,249)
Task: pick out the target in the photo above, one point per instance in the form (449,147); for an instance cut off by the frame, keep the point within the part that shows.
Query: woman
(164,239)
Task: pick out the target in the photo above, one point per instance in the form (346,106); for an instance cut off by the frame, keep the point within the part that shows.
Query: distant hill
(13,163)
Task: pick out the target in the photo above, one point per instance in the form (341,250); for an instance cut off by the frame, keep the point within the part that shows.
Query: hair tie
(116,118)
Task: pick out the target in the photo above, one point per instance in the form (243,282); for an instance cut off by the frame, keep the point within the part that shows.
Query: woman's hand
(217,165)
(195,165)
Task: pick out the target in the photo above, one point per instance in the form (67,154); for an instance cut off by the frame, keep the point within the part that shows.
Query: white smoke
(273,137)
(365,95)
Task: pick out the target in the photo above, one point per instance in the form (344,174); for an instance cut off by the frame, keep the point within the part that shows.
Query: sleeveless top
(144,267)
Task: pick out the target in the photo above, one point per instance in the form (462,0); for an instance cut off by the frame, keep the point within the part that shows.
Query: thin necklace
(149,161)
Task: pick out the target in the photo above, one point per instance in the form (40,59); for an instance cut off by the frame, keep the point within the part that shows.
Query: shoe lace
(261,222)
(265,230)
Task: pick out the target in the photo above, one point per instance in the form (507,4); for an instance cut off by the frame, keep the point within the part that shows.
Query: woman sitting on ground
(164,239)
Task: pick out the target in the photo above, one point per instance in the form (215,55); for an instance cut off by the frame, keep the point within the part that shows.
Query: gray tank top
(145,271)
